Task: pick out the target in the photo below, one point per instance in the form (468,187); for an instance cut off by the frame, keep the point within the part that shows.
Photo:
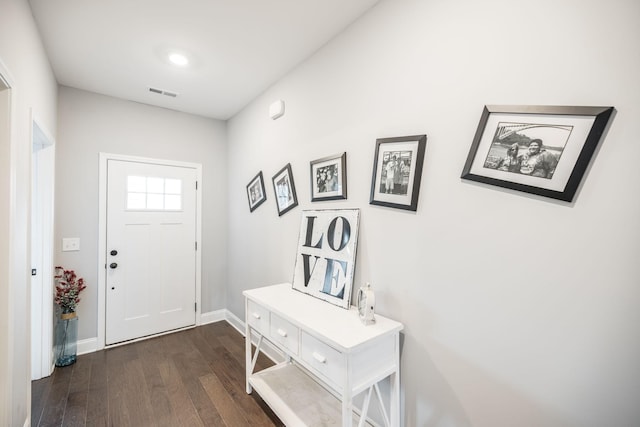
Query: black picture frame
(256,193)
(285,190)
(329,178)
(397,171)
(566,138)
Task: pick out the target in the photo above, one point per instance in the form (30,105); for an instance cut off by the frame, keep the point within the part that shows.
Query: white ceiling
(237,48)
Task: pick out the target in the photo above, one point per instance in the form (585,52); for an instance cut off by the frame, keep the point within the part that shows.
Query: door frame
(102,237)
(8,142)
(42,249)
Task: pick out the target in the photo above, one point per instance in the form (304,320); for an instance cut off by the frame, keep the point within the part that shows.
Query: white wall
(89,124)
(33,88)
(518,310)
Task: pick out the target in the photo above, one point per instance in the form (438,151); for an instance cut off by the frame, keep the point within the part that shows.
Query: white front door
(151,249)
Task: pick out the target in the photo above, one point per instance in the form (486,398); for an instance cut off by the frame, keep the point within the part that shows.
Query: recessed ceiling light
(178,59)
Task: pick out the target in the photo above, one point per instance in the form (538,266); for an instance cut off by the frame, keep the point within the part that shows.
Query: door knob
(114,252)
(113,265)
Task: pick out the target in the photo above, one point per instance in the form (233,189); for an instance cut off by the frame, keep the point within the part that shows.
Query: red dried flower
(68,288)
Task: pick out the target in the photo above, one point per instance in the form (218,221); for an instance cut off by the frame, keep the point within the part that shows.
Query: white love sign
(325,261)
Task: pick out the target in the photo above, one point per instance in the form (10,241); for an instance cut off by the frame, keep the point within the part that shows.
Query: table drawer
(258,317)
(284,333)
(323,359)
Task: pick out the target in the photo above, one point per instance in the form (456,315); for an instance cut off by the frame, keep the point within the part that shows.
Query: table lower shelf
(296,398)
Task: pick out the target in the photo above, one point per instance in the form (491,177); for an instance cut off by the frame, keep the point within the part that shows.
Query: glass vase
(66,339)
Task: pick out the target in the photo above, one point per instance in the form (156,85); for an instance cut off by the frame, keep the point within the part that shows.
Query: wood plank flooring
(189,378)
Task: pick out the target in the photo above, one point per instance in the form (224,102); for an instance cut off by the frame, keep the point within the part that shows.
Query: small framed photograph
(285,190)
(397,170)
(329,178)
(543,150)
(255,192)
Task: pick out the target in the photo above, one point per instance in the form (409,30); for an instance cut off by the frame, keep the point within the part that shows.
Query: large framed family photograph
(329,178)
(285,190)
(397,170)
(543,150)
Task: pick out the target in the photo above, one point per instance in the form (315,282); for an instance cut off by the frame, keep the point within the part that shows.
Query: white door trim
(102,234)
(7,245)
(42,238)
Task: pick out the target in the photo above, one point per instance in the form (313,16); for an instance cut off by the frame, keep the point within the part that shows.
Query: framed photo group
(542,150)
(397,171)
(283,187)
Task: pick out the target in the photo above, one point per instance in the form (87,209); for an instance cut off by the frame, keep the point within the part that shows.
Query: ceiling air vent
(163,92)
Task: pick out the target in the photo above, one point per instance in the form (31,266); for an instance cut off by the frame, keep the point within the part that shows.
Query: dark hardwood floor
(189,378)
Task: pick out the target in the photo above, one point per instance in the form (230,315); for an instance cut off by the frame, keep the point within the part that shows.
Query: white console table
(330,357)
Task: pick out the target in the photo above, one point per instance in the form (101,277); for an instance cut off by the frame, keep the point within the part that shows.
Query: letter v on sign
(305,265)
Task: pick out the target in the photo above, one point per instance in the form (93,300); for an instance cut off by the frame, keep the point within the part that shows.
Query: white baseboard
(235,321)
(90,345)
(87,346)
(212,316)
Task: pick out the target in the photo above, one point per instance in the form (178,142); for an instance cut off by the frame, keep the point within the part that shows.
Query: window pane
(155,185)
(153,193)
(136,200)
(172,202)
(136,184)
(155,201)
(172,186)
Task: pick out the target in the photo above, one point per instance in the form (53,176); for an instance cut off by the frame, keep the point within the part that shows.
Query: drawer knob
(320,358)
(282,333)
(256,315)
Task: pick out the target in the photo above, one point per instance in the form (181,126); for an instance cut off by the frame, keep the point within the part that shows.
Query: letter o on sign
(345,236)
